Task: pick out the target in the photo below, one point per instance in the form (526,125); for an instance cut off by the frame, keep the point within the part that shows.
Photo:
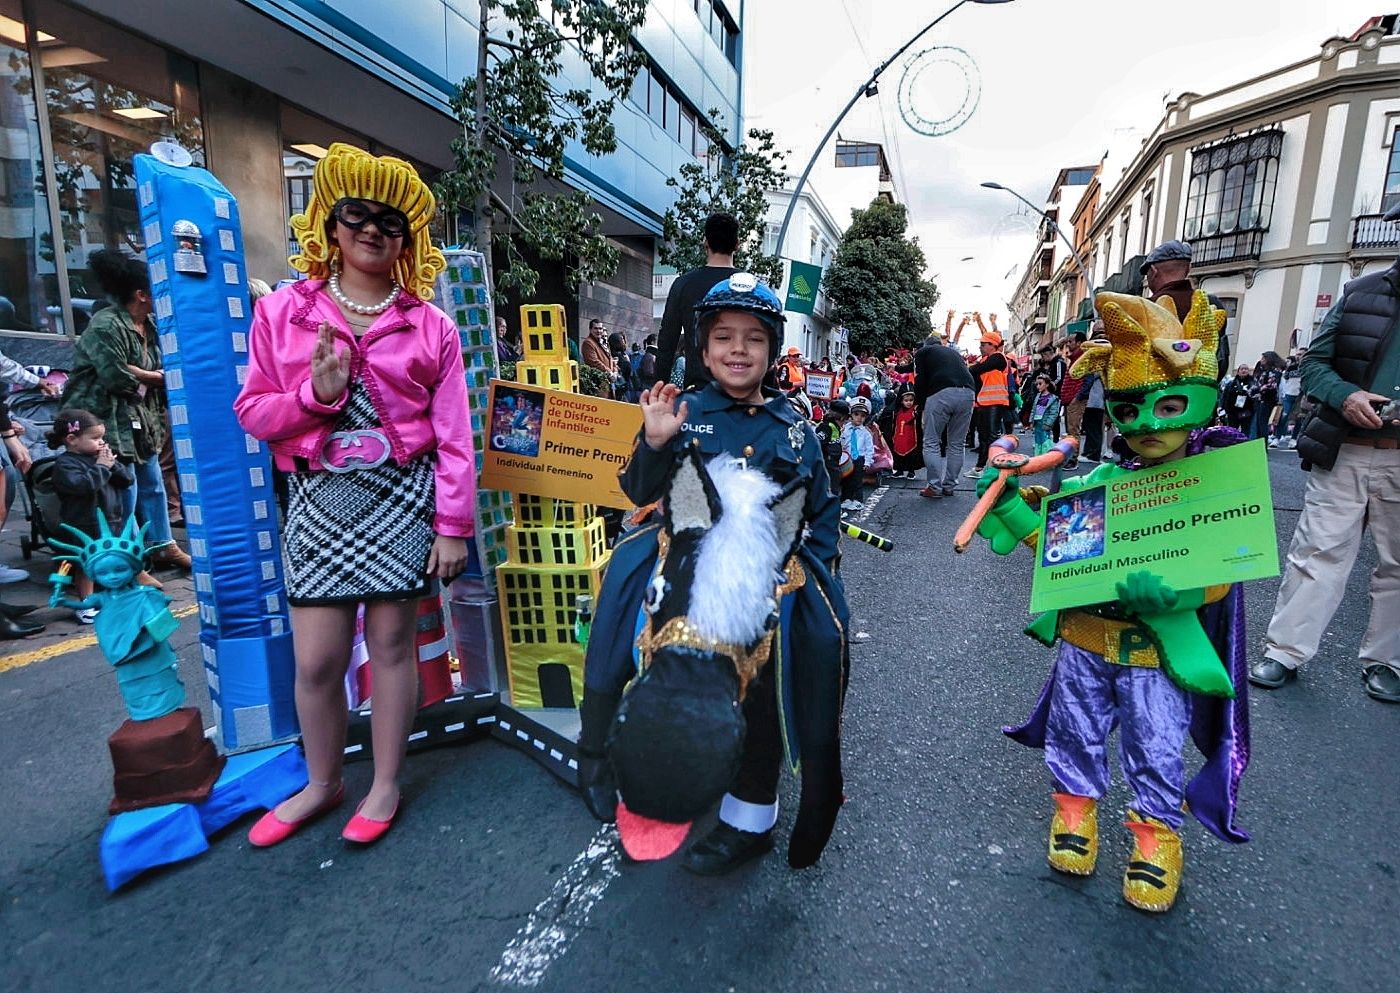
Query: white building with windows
(851,173)
(1037,305)
(1278,183)
(812,237)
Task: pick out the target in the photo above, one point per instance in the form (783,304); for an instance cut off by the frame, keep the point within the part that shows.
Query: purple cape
(1219,726)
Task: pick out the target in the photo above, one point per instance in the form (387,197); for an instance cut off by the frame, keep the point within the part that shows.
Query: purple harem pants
(1089,697)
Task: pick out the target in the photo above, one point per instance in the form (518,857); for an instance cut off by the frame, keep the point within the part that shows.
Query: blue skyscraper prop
(194,248)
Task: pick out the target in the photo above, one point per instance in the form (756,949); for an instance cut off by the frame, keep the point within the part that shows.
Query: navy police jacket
(770,437)
(810,664)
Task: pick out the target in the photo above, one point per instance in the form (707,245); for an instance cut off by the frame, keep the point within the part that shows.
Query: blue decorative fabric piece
(143,839)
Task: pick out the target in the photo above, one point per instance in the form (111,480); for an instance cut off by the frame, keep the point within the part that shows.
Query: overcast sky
(1062,82)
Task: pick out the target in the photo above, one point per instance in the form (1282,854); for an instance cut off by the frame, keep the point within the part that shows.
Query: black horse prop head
(712,614)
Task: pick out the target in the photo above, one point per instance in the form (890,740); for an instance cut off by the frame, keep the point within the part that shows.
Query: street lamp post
(866,89)
(1088,275)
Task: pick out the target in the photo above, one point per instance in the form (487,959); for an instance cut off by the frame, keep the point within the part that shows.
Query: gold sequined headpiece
(1149,347)
(347,171)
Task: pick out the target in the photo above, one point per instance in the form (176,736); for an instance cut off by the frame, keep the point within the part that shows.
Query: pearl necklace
(377,308)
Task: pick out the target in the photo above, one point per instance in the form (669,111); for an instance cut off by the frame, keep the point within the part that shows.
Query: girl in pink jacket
(357,385)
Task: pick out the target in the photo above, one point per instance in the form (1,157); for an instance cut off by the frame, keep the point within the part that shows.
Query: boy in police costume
(739,323)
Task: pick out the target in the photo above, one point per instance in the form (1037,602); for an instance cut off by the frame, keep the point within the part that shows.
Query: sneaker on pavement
(87,615)
(9,575)
(974,472)
(1271,674)
(1382,683)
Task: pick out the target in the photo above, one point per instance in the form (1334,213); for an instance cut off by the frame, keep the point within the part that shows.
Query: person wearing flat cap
(1352,446)
(1167,272)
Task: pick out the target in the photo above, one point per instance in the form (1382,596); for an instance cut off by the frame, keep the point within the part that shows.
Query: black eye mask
(355,215)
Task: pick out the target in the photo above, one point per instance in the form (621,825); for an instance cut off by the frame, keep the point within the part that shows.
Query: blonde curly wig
(347,171)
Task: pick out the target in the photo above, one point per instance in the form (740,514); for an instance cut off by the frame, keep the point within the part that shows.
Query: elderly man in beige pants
(1353,446)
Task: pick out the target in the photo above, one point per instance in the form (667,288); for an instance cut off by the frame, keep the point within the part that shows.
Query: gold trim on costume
(678,632)
(1118,642)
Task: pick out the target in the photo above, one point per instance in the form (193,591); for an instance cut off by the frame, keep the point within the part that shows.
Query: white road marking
(872,503)
(559,918)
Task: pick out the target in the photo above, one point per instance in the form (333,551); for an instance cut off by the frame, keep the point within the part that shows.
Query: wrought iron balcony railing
(1242,246)
(1370,232)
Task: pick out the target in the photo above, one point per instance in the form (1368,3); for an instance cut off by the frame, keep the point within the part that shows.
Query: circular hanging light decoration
(951,62)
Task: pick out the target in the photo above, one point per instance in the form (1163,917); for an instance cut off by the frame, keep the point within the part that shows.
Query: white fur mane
(738,560)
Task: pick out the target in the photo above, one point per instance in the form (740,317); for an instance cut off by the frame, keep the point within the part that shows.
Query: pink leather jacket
(410,362)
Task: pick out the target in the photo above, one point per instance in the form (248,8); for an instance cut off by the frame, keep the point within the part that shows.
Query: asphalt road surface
(496,878)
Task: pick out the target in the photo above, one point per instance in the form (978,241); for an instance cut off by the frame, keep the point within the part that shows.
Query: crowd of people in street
(383,535)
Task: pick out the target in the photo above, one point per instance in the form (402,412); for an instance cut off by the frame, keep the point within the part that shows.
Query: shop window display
(107,96)
(29,298)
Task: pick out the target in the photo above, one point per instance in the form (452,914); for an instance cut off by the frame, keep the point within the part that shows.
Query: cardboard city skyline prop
(203,315)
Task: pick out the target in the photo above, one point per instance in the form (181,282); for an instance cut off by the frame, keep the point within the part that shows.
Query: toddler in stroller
(33,409)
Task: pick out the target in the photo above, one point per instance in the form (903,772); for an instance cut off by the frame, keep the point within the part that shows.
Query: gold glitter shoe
(1074,834)
(1154,868)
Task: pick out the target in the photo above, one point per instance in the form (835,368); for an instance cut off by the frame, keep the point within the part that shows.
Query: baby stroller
(35,410)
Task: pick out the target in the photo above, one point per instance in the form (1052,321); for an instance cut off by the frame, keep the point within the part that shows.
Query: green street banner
(1196,522)
(803,282)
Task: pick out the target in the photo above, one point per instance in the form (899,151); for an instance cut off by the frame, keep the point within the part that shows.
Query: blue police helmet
(744,291)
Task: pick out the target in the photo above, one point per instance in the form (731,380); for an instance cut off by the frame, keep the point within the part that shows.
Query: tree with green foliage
(519,113)
(876,282)
(737,186)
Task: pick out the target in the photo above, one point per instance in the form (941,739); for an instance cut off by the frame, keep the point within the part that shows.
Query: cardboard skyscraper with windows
(556,550)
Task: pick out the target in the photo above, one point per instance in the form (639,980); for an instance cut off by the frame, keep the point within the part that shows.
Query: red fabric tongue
(647,840)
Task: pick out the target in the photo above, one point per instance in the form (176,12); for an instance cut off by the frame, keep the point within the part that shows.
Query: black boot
(725,849)
(596,781)
(598,785)
(1382,683)
(15,612)
(10,628)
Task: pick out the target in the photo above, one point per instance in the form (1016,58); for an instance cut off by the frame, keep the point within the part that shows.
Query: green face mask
(1176,407)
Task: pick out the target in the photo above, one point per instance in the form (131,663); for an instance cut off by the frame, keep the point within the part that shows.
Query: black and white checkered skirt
(359,536)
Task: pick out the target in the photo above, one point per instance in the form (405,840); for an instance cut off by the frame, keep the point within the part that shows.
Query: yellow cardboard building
(555,550)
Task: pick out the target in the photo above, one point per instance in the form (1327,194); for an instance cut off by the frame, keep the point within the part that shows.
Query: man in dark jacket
(1352,445)
(943,390)
(678,321)
(1237,399)
(646,367)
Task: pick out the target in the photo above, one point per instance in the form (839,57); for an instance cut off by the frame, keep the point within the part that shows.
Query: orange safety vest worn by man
(993,393)
(791,373)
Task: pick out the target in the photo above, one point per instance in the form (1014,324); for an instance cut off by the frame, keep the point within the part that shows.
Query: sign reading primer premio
(1197,522)
(569,446)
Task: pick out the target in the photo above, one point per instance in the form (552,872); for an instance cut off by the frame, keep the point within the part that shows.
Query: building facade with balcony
(1039,301)
(1278,183)
(257,89)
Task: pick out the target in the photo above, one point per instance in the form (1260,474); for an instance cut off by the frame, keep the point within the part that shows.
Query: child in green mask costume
(1158,663)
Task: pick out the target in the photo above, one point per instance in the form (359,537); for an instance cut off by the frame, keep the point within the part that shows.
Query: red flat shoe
(365,830)
(272,830)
